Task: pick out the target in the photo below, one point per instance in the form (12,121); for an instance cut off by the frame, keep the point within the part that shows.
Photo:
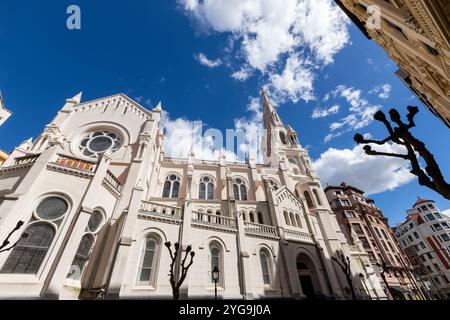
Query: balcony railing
(152,208)
(74,163)
(26,160)
(298,236)
(213,219)
(113,181)
(261,230)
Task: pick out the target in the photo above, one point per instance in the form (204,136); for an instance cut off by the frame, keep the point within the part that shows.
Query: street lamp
(215,276)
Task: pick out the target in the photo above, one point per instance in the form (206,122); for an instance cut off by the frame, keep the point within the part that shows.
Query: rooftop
(344,186)
(420,201)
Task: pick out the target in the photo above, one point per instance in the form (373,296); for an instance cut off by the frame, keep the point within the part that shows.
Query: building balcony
(298,236)
(204,220)
(162,213)
(21,163)
(261,231)
(113,184)
(73,166)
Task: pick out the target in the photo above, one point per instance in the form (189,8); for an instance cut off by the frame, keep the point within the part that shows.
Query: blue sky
(150,50)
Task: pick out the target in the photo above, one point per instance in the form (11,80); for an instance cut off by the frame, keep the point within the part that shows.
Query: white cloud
(255,107)
(361,111)
(242,75)
(181,134)
(372,174)
(382,91)
(295,82)
(332,136)
(207,62)
(298,36)
(148,103)
(322,113)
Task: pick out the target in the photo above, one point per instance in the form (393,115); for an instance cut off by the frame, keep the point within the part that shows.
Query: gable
(283,197)
(114,101)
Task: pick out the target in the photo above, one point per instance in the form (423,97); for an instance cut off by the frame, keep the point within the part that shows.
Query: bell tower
(279,139)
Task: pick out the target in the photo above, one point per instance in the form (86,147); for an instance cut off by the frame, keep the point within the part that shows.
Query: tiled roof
(419,201)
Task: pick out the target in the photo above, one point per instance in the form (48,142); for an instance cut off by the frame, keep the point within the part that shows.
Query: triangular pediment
(118,96)
(285,196)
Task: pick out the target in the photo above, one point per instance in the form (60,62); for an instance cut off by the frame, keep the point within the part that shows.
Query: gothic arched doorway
(308,277)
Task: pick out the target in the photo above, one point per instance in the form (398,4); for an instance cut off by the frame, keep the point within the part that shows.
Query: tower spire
(2,104)
(271,117)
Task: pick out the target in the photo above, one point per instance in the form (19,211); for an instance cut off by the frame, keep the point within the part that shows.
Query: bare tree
(344,263)
(174,282)
(431,176)
(6,242)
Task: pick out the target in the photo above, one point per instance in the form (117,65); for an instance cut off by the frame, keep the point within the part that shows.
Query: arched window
(309,200)
(215,260)
(29,253)
(260,218)
(316,195)
(239,189)
(283,138)
(265,267)
(292,218)
(27,256)
(171,186)
(299,221)
(81,257)
(244,215)
(85,247)
(149,257)
(206,189)
(294,165)
(286,218)
(252,216)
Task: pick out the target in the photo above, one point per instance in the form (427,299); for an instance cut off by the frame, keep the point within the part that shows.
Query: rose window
(99,142)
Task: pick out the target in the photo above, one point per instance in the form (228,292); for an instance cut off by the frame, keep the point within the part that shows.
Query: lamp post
(215,276)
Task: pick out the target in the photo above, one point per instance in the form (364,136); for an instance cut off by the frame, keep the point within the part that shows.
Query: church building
(99,199)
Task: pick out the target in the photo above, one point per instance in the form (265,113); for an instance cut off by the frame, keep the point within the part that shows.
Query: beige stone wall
(415,34)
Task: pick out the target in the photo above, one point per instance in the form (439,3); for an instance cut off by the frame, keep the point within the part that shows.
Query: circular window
(99,142)
(95,220)
(52,208)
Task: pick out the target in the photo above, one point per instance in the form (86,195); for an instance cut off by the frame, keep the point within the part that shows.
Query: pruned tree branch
(6,242)
(430,176)
(176,284)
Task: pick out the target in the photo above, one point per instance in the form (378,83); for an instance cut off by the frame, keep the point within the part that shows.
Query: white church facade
(99,199)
